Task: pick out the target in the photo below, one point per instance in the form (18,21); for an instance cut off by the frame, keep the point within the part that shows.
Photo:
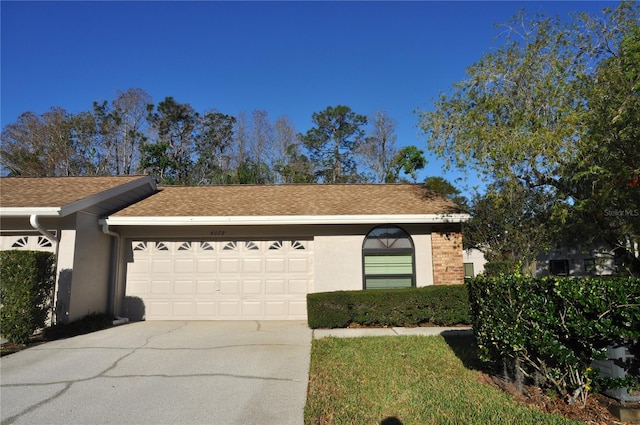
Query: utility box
(617,357)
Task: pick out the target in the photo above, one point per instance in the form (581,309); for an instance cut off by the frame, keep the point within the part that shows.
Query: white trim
(29,211)
(79,205)
(105,195)
(284,220)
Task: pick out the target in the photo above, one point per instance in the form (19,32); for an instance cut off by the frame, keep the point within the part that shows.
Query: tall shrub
(25,293)
(552,329)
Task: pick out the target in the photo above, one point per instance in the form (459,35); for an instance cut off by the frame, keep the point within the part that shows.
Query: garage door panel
(229,265)
(275,265)
(182,309)
(205,287)
(229,287)
(207,265)
(252,308)
(161,266)
(161,287)
(252,265)
(298,265)
(275,287)
(206,309)
(229,309)
(221,280)
(276,309)
(251,287)
(183,287)
(158,309)
(183,266)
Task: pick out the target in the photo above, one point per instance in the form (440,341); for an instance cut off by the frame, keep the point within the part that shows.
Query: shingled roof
(58,193)
(291,200)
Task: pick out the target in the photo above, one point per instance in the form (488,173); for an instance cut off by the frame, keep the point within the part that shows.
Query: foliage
(438,305)
(554,107)
(408,160)
(550,330)
(509,223)
(25,293)
(605,179)
(332,143)
(444,188)
(54,144)
(501,268)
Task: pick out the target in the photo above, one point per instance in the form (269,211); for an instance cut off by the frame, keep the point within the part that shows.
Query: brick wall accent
(448,265)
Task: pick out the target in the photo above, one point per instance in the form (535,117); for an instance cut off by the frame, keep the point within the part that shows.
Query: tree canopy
(553,110)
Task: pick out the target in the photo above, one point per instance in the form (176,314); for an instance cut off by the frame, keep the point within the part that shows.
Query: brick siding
(448,265)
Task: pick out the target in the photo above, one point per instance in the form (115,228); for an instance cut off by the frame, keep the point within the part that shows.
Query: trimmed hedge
(550,330)
(437,305)
(25,294)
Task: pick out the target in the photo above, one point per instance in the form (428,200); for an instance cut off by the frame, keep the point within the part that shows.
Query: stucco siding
(91,269)
(338,263)
(424,260)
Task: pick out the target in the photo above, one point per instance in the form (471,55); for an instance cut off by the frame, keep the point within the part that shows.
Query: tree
(509,223)
(408,160)
(55,143)
(289,165)
(605,179)
(442,187)
(332,143)
(527,111)
(123,127)
(168,158)
(378,150)
(213,144)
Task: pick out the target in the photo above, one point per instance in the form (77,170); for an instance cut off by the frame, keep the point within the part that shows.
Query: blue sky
(288,58)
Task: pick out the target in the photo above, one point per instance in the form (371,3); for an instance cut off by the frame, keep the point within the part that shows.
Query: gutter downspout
(115,268)
(33,220)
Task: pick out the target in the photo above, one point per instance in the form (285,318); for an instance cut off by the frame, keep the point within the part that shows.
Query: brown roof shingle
(290,200)
(26,192)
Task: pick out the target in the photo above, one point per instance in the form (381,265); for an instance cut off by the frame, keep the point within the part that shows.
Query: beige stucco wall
(91,269)
(424,262)
(338,263)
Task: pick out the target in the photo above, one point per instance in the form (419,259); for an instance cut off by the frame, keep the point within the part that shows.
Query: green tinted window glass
(388,264)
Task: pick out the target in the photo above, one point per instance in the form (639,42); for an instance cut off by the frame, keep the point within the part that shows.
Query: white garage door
(221,280)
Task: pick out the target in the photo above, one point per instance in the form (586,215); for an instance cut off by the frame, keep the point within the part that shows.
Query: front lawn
(407,380)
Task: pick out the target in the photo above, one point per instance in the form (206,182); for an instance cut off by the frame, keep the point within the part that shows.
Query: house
(595,260)
(231,252)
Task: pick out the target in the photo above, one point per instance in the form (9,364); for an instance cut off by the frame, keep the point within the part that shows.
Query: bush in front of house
(25,294)
(550,330)
(437,305)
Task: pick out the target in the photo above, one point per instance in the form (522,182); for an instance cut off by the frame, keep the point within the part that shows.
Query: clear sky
(288,58)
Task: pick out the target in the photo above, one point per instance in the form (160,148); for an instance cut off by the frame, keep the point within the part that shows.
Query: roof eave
(286,220)
(105,195)
(29,211)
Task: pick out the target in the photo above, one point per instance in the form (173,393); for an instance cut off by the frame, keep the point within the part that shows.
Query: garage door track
(241,372)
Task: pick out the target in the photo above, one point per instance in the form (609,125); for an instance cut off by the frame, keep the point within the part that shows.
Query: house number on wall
(217,233)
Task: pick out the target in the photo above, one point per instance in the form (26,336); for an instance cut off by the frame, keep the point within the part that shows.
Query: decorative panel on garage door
(221,280)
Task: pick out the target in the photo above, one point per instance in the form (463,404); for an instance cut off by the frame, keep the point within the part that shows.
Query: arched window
(388,258)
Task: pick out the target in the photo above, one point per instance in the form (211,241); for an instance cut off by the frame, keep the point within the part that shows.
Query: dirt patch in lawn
(597,410)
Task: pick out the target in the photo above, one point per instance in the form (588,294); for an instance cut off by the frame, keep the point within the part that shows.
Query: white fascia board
(27,212)
(286,220)
(99,197)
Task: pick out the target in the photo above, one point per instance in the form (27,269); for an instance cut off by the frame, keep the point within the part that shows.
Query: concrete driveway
(213,372)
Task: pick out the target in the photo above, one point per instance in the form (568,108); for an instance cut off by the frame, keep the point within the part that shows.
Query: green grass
(407,380)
